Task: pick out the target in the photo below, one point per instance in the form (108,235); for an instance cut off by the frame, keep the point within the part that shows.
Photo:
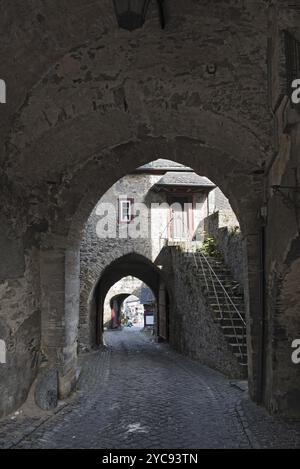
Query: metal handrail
(203,272)
(213,284)
(166,227)
(223,288)
(228,300)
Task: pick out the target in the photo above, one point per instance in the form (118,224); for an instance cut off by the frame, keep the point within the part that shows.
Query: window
(125,210)
(181,218)
(292,53)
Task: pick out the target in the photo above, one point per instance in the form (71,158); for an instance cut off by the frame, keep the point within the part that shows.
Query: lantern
(131,13)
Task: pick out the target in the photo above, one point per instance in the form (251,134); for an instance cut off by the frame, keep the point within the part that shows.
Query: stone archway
(246,210)
(132,264)
(122,116)
(59,253)
(117,301)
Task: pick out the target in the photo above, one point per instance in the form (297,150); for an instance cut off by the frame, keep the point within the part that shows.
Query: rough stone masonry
(88,102)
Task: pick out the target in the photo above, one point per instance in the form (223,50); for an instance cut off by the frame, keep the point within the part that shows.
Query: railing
(163,232)
(209,273)
(185,242)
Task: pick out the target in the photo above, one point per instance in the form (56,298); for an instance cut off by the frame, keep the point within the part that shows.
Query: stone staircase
(230,317)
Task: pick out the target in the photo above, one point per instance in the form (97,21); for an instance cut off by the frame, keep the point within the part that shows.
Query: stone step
(229,330)
(229,313)
(226,315)
(233,322)
(220,274)
(242,360)
(222,297)
(220,288)
(217,268)
(223,304)
(228,308)
(220,270)
(239,348)
(238,298)
(244,367)
(221,277)
(207,270)
(228,322)
(227,285)
(220,284)
(236,339)
(214,262)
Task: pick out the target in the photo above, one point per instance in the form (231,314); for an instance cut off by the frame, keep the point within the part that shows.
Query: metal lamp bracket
(290,196)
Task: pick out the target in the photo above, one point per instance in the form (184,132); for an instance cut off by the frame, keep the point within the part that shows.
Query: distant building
(149,303)
(177,202)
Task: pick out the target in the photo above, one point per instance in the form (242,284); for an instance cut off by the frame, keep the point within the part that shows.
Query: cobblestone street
(139,394)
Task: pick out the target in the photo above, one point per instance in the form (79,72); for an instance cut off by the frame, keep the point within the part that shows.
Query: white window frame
(128,202)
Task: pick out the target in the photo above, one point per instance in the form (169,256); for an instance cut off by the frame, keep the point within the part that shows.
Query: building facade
(161,206)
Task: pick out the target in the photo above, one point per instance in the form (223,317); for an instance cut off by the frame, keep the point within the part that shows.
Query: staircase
(226,301)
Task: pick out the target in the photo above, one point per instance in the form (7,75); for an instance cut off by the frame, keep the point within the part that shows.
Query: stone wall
(224,228)
(20,328)
(281,382)
(94,105)
(192,328)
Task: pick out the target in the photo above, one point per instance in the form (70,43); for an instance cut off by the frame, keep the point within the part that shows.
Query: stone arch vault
(133,264)
(94,111)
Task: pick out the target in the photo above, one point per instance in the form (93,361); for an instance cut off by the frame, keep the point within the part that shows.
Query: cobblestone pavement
(139,394)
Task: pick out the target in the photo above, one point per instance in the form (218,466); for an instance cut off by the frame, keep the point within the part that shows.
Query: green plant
(235,231)
(209,247)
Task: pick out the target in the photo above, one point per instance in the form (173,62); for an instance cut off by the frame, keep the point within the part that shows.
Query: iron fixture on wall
(131,14)
(161,13)
(290,196)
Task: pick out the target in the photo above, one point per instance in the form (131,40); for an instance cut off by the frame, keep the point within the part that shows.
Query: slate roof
(173,178)
(146,296)
(163,164)
(132,298)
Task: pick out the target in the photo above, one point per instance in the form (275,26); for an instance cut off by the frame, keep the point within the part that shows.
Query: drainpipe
(207,201)
(262,357)
(263,292)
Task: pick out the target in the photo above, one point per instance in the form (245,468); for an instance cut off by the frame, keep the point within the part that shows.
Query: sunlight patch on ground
(136,428)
